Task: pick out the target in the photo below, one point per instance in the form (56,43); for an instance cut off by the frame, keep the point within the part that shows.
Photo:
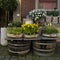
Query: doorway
(26,6)
(5,19)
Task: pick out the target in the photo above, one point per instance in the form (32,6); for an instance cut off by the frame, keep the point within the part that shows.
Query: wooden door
(26,6)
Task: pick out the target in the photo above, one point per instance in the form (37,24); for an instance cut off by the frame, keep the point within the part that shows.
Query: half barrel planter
(45,47)
(31,36)
(18,46)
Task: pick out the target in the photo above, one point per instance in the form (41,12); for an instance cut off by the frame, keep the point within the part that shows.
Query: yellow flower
(24,28)
(37,24)
(37,31)
(50,24)
(28,26)
(32,26)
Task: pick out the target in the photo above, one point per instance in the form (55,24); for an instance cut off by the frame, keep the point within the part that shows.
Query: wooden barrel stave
(44,47)
(19,47)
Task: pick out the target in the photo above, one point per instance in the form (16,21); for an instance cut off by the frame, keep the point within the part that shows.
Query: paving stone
(7,58)
(1,57)
(14,58)
(49,58)
(19,58)
(42,58)
(56,58)
(22,57)
(36,57)
(29,57)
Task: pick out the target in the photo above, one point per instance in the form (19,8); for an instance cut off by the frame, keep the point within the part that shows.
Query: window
(48,4)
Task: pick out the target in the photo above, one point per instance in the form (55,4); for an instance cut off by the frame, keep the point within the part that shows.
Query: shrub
(50,29)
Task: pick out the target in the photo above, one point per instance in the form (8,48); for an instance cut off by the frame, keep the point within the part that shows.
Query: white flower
(40,15)
(37,14)
(44,14)
(33,11)
(32,15)
(37,17)
(50,24)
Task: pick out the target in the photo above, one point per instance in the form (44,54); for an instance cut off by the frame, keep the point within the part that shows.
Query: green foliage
(1,4)
(37,14)
(14,30)
(30,29)
(9,5)
(16,24)
(49,13)
(53,13)
(50,29)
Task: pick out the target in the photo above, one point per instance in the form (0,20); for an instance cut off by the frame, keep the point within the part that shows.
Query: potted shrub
(14,32)
(49,13)
(49,16)
(50,31)
(55,15)
(30,30)
(37,15)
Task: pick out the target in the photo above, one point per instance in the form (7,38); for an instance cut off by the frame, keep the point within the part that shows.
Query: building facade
(28,5)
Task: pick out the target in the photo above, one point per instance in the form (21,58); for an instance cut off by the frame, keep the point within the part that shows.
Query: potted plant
(14,32)
(30,30)
(37,15)
(7,6)
(49,13)
(50,31)
(49,16)
(55,15)
(14,24)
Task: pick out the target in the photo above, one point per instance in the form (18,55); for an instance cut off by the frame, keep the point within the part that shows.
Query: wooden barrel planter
(44,47)
(18,47)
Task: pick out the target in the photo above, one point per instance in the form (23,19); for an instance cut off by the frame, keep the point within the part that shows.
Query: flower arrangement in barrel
(50,30)
(30,29)
(37,14)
